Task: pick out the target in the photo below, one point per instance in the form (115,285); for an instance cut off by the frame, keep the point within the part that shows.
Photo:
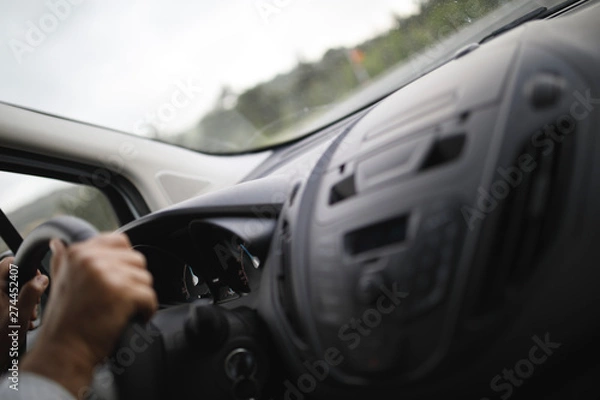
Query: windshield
(228,76)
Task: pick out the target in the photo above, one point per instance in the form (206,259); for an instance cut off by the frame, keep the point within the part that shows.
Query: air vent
(443,151)
(342,190)
(527,219)
(392,163)
(378,235)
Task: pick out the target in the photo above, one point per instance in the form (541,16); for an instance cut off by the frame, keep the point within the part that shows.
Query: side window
(30,200)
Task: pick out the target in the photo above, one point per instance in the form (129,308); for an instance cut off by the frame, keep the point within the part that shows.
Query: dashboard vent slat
(444,150)
(526,223)
(343,190)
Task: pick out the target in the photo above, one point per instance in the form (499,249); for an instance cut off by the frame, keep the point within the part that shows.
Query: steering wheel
(181,350)
(33,249)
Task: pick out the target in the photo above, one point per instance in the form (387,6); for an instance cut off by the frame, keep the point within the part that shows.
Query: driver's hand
(98,285)
(25,309)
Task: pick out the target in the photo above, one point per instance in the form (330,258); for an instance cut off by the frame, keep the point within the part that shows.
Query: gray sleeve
(30,386)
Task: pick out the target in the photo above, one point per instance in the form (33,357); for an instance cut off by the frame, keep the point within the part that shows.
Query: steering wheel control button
(240,364)
(240,367)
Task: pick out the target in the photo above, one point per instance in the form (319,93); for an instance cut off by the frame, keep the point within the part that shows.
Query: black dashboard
(418,247)
(211,248)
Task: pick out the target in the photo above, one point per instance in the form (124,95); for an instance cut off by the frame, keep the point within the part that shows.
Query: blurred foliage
(270,106)
(90,204)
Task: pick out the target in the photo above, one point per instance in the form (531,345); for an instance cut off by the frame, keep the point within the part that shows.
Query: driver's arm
(98,285)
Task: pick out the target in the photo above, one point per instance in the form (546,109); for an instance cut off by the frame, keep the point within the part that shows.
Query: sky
(116,63)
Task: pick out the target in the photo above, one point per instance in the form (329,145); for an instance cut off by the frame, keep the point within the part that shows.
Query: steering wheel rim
(35,246)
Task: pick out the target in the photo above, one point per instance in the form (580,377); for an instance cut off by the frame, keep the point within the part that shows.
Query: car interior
(439,242)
